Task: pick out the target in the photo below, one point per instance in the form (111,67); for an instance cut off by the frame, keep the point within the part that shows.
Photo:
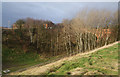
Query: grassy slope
(104,61)
(17,59)
(14,59)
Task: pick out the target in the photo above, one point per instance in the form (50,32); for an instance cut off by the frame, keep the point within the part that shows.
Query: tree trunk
(30,36)
(70,45)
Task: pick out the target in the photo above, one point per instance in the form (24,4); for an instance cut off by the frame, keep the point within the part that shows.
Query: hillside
(101,61)
(35,41)
(54,40)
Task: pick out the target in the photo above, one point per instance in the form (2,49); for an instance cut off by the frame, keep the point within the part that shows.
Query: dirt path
(39,70)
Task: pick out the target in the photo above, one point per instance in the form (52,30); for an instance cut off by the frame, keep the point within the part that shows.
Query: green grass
(15,59)
(101,62)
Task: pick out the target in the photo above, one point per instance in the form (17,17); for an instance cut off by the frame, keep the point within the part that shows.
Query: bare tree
(30,24)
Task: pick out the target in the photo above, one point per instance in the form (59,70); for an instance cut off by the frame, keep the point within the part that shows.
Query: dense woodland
(86,31)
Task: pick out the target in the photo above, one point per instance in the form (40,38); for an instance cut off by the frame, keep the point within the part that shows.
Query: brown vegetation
(86,31)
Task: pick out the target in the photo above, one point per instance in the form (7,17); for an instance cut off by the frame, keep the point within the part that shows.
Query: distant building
(46,26)
(14,26)
(102,32)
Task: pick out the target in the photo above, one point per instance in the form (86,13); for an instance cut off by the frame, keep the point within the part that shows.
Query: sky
(53,11)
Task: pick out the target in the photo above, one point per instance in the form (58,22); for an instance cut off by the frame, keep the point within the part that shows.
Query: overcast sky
(54,11)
